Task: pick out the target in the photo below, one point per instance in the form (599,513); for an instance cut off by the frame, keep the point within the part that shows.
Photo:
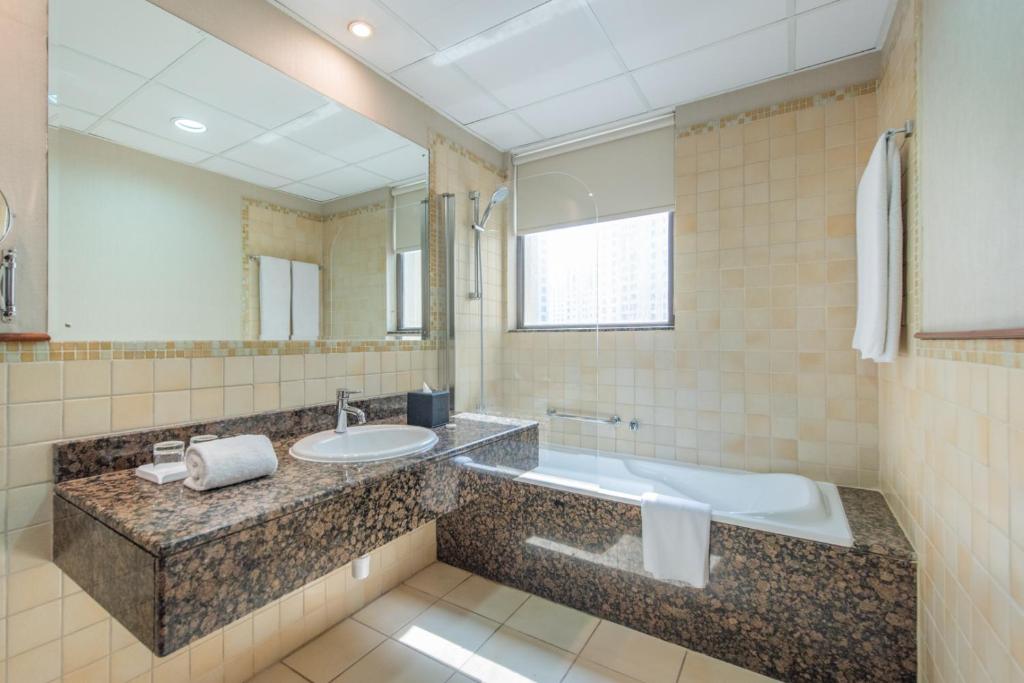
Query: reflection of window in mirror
(406,260)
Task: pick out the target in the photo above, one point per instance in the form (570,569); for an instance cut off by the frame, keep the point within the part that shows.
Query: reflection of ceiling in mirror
(126,71)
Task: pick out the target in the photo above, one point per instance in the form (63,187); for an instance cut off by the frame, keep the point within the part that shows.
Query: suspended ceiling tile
(347,181)
(279,155)
(147,142)
(218,74)
(342,133)
(66,117)
(136,36)
(593,105)
(547,51)
(447,22)
(85,83)
(393,44)
(445,87)
(728,65)
(648,31)
(242,172)
(402,164)
(309,192)
(838,30)
(505,131)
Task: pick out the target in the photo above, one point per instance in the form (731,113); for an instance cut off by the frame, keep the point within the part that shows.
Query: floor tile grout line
(582,648)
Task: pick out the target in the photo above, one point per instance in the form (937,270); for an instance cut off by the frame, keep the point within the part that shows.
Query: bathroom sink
(364,444)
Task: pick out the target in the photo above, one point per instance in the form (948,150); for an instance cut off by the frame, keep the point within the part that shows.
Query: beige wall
(143,248)
(23,151)
(971,96)
(356,249)
(758,373)
(952,430)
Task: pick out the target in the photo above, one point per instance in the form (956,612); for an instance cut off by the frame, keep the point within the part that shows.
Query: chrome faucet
(344,410)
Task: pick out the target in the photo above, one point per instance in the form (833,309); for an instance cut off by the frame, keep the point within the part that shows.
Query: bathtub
(788,504)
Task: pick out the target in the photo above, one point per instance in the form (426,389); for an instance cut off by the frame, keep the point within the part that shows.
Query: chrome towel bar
(613,420)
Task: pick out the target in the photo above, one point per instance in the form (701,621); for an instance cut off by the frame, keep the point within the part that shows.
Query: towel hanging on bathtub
(676,538)
(879,254)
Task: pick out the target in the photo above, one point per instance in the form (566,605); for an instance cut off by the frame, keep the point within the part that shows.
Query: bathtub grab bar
(613,420)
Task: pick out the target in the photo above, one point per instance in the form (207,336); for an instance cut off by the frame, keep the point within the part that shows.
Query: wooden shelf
(24,337)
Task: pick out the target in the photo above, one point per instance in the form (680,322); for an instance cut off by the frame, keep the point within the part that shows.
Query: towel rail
(613,420)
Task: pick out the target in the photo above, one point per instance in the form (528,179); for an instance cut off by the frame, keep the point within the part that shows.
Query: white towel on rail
(676,538)
(305,300)
(879,254)
(275,298)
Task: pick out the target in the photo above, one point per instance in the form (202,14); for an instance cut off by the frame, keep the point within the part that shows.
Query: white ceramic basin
(364,444)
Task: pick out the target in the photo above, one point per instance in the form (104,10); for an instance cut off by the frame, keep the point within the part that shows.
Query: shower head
(500,195)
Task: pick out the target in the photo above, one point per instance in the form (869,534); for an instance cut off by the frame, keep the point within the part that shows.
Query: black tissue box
(427,409)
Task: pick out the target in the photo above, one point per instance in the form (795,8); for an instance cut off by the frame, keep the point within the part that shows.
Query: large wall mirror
(197,193)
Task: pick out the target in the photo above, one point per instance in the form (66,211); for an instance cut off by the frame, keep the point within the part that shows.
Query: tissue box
(427,409)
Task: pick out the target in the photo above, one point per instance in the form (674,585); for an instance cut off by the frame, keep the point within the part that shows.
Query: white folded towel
(305,300)
(212,464)
(879,254)
(275,298)
(676,538)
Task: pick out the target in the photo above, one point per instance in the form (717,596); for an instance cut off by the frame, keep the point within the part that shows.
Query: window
(410,286)
(615,273)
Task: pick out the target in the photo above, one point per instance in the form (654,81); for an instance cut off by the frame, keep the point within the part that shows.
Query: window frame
(399,295)
(521,326)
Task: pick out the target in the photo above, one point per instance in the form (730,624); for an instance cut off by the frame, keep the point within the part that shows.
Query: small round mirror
(6,217)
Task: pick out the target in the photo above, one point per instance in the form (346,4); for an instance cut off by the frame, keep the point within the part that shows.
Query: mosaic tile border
(442,141)
(27,352)
(827,97)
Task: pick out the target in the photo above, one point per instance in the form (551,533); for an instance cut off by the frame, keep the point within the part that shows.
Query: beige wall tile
(87,378)
(37,665)
(86,646)
(171,374)
(207,403)
(31,464)
(29,505)
(292,368)
(207,372)
(238,370)
(87,416)
(132,376)
(266,369)
(31,382)
(32,628)
(238,400)
(134,411)
(33,422)
(170,407)
(32,588)
(266,396)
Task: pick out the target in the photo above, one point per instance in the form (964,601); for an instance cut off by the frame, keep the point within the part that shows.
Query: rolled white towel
(223,462)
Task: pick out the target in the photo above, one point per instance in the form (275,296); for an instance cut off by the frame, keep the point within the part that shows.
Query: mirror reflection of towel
(275,298)
(305,300)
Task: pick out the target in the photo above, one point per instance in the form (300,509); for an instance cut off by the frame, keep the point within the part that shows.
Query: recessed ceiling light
(189,125)
(360,29)
(53,98)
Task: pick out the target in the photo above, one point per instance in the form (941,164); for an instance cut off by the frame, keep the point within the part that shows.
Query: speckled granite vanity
(173,564)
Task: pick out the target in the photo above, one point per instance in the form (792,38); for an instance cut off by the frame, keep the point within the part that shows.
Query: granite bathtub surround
(789,608)
(79,458)
(172,565)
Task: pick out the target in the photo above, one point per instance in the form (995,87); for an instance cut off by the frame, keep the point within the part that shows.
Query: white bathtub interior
(788,504)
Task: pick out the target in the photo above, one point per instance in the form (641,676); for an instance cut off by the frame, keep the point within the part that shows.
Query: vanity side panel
(115,572)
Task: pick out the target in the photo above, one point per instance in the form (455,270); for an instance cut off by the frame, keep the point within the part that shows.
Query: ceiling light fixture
(189,125)
(360,29)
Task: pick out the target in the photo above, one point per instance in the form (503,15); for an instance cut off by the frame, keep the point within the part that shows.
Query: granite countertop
(170,518)
(874,526)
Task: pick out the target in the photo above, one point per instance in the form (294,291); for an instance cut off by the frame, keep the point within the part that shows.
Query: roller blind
(408,219)
(615,179)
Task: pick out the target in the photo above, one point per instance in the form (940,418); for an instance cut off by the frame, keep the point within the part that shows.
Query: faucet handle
(345,393)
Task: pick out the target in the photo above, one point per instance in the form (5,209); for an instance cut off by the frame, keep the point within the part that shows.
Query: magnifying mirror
(6,217)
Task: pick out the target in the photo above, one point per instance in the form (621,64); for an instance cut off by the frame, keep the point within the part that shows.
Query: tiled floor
(445,624)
